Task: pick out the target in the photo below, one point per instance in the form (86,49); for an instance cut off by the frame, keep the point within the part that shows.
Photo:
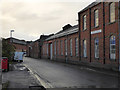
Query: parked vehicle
(18,56)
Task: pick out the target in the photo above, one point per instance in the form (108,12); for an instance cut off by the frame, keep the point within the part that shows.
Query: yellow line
(42,82)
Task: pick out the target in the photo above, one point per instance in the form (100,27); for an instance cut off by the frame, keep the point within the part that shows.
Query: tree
(7,49)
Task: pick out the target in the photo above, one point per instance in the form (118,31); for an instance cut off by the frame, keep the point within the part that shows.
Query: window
(55,48)
(96,48)
(112,12)
(84,48)
(112,47)
(76,46)
(96,18)
(70,47)
(84,22)
(61,47)
(47,49)
(65,47)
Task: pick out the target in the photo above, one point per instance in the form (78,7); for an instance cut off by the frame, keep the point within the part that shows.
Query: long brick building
(98,29)
(62,46)
(94,41)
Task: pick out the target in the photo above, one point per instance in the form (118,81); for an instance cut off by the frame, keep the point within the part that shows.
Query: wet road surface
(57,75)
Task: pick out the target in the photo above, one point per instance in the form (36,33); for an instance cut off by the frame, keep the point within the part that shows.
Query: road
(57,75)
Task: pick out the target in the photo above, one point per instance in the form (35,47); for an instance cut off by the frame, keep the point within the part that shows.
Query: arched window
(112,11)
(76,46)
(112,47)
(70,47)
(96,48)
(96,18)
(84,48)
(65,47)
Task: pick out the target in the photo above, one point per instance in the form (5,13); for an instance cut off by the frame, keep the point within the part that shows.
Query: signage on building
(97,31)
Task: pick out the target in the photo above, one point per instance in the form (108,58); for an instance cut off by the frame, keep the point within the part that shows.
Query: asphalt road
(57,75)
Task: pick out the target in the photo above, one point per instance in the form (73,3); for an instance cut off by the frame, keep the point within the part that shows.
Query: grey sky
(32,18)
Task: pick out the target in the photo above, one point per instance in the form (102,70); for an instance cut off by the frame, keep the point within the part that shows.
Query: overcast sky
(32,18)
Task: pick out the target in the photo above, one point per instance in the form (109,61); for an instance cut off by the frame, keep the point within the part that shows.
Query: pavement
(19,77)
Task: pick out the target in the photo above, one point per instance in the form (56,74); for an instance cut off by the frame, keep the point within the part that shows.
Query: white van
(18,56)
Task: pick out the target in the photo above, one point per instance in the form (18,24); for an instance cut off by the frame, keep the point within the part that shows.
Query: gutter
(119,28)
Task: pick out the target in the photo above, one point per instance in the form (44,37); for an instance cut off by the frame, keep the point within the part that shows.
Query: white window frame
(61,47)
(112,12)
(96,47)
(65,47)
(84,22)
(84,48)
(70,47)
(112,47)
(96,18)
(47,48)
(55,48)
(76,46)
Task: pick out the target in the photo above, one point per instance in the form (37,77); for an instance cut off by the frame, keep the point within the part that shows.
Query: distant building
(34,47)
(63,46)
(19,45)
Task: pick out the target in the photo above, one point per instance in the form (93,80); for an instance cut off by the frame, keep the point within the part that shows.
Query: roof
(89,6)
(72,30)
(17,41)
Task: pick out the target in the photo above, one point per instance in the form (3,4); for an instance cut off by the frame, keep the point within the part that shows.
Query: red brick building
(98,29)
(63,46)
(96,35)
(34,47)
(19,45)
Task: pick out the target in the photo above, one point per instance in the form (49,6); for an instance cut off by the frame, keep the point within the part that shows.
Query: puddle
(22,68)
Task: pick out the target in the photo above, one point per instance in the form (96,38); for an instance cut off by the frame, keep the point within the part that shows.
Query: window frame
(95,49)
(84,22)
(95,18)
(111,13)
(114,45)
(84,48)
(71,47)
(76,46)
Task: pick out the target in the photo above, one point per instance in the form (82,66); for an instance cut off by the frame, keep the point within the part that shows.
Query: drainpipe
(103,33)
(119,28)
(90,31)
(79,31)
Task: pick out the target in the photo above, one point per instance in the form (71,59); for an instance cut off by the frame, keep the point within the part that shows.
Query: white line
(42,82)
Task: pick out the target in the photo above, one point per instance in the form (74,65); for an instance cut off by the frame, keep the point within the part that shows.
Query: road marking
(41,81)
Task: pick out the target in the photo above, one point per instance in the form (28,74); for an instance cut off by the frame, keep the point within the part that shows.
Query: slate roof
(73,29)
(89,6)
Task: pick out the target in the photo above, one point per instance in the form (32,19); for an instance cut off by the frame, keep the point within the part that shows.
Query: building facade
(63,46)
(98,29)
(34,47)
(19,45)
(94,41)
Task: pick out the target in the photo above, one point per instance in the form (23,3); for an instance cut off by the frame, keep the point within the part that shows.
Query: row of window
(56,47)
(96,16)
(96,48)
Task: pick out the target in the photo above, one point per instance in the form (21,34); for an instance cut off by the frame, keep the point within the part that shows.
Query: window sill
(97,59)
(96,26)
(112,59)
(84,30)
(111,22)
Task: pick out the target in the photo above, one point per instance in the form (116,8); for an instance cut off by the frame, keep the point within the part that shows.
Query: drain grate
(36,88)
